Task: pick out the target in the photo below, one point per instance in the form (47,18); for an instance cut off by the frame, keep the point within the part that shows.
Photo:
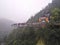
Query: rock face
(5,27)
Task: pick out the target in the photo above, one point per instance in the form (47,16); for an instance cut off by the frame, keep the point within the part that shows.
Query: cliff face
(46,10)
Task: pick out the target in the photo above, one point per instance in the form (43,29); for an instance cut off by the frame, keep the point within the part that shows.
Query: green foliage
(31,35)
(47,10)
(55,15)
(24,36)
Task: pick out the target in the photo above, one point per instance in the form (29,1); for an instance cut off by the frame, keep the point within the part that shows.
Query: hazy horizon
(21,10)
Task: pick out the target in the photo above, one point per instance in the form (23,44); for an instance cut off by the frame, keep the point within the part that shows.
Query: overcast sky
(21,10)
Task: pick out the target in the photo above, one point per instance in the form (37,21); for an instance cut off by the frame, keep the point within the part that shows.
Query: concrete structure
(41,22)
(43,19)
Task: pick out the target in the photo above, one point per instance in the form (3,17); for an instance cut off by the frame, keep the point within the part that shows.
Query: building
(44,19)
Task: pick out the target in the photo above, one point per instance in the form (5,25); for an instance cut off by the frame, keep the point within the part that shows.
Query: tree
(55,15)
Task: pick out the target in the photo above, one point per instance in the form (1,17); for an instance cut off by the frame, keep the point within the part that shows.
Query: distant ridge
(5,27)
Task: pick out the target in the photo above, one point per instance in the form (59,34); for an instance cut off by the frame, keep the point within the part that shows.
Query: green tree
(55,15)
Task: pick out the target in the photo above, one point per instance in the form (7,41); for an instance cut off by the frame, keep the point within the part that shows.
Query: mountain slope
(5,27)
(46,10)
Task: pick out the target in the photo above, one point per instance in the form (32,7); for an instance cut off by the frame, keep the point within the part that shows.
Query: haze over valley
(21,10)
(29,22)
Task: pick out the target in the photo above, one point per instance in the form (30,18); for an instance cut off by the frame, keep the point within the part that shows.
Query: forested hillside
(49,34)
(45,11)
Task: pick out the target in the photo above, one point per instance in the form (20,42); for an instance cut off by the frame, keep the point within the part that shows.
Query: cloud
(21,10)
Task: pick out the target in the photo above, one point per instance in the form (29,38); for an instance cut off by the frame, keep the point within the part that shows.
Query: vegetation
(55,15)
(46,10)
(49,35)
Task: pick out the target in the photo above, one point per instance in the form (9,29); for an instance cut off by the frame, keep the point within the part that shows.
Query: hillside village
(41,21)
(42,29)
